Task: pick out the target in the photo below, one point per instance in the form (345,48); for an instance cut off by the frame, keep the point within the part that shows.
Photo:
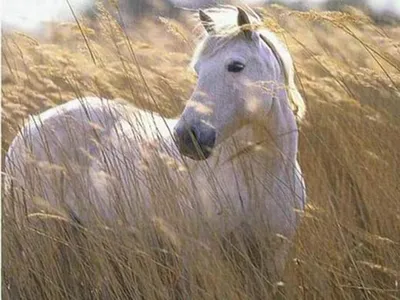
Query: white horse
(230,157)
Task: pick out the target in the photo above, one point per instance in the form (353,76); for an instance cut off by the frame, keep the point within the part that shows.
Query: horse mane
(225,22)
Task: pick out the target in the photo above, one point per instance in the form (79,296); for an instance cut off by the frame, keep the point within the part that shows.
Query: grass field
(348,244)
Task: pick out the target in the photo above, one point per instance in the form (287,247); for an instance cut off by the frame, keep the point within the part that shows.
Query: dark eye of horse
(235,67)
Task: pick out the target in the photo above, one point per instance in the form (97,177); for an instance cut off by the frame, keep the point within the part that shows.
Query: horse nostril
(193,135)
(195,140)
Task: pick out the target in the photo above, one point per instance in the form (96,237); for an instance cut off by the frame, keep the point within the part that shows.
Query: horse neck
(281,128)
(275,138)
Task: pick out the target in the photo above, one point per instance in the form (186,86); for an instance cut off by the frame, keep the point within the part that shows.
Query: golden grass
(348,245)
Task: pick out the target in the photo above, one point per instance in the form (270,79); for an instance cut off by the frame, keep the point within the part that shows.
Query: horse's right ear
(207,22)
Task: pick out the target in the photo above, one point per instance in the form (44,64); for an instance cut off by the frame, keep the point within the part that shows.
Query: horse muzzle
(195,140)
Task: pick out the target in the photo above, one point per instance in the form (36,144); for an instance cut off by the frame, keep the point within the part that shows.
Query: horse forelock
(226,27)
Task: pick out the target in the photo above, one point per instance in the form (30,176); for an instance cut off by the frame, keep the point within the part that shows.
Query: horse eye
(235,67)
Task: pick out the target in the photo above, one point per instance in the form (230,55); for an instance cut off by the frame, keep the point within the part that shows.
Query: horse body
(238,128)
(61,154)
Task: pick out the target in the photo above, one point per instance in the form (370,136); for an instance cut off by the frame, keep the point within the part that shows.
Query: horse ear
(207,22)
(243,20)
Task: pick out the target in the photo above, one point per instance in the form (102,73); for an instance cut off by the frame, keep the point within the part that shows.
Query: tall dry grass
(348,244)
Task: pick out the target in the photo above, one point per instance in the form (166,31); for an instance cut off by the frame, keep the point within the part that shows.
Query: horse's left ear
(243,20)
